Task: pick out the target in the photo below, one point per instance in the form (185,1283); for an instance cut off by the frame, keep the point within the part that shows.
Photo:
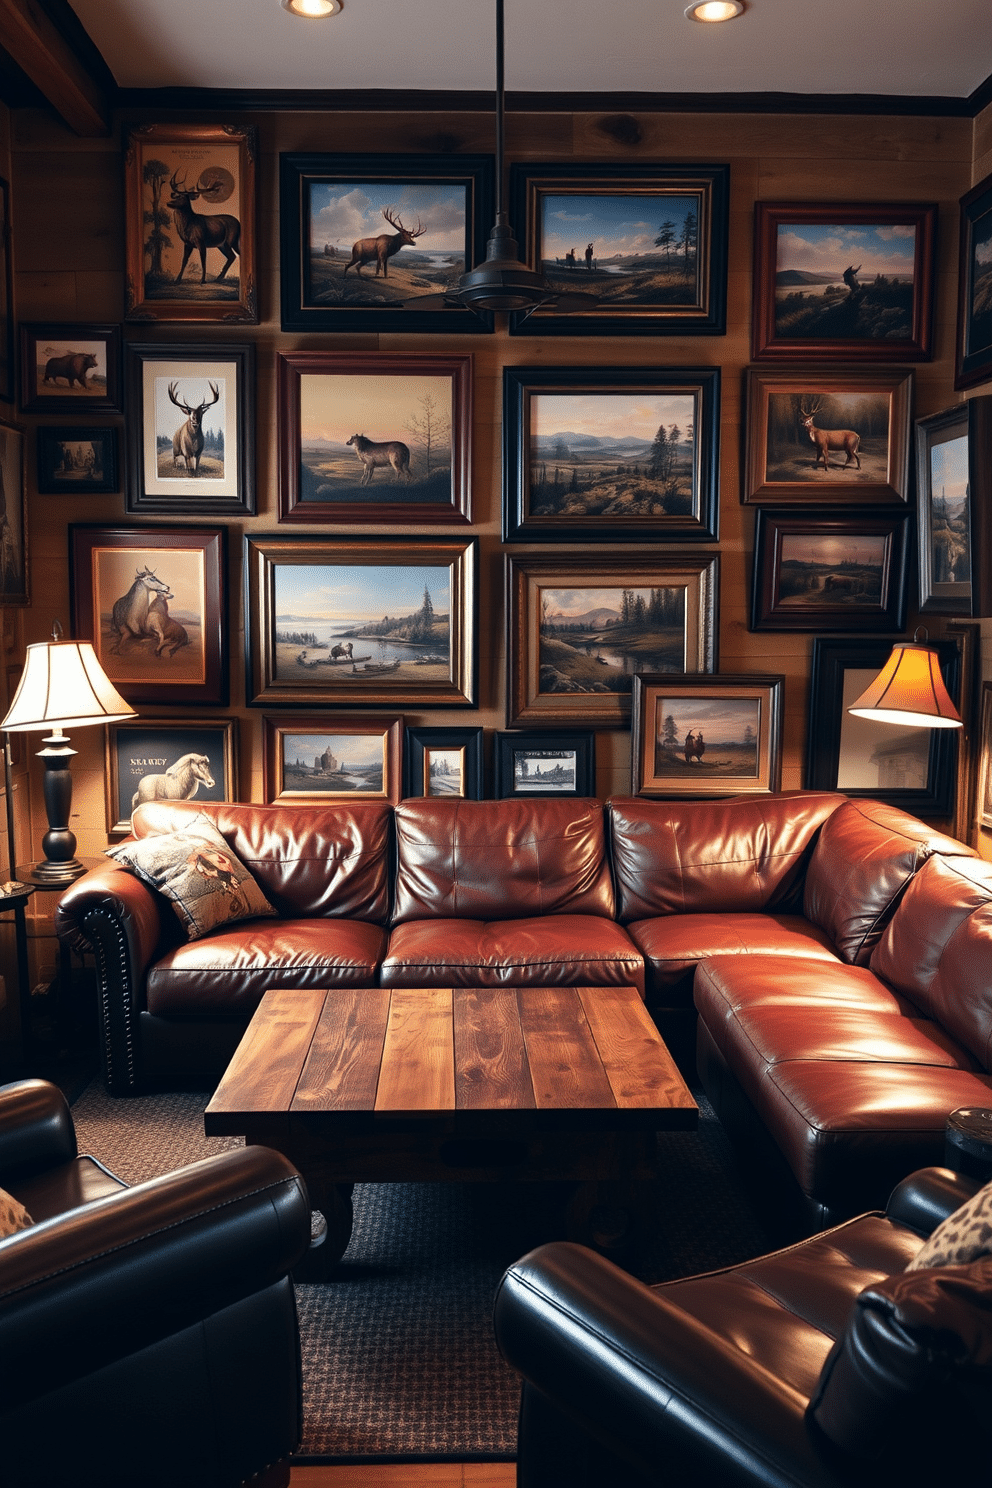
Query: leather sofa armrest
(927,1197)
(645,1378)
(122,895)
(36,1130)
(97,1284)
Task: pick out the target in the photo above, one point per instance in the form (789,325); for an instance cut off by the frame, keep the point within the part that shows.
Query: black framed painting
(443,762)
(611,454)
(6,299)
(974,340)
(77,459)
(70,368)
(830,569)
(539,763)
(954,509)
(694,737)
(169,759)
(13,516)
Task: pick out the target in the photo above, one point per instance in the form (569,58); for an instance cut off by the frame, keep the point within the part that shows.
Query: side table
(28,875)
(14,897)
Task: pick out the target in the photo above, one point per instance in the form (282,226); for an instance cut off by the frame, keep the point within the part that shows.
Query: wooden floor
(399,1475)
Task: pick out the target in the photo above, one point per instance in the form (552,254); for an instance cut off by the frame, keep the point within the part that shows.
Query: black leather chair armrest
(99,1283)
(36,1130)
(925,1199)
(633,1370)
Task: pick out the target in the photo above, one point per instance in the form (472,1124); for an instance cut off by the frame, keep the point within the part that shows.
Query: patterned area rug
(398,1353)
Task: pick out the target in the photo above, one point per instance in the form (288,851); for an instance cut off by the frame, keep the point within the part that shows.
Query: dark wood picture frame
(311,299)
(677,761)
(82,367)
(423,749)
(974,331)
(143,756)
(218,163)
(65,468)
(327,779)
(553,757)
(389,666)
(165,473)
(863,435)
(687,481)
(6,298)
(143,649)
(839,331)
(538,690)
(954,545)
(837,742)
(14,574)
(634,303)
(814,569)
(400,485)
(983,794)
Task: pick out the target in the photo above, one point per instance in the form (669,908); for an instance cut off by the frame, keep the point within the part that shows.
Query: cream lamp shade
(909,689)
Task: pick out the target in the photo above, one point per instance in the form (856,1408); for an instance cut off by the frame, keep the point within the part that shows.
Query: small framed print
(13,516)
(694,737)
(914,768)
(191,429)
(443,762)
(817,569)
(168,759)
(70,368)
(974,350)
(545,764)
(77,460)
(843,281)
(333,757)
(983,800)
(954,509)
(824,434)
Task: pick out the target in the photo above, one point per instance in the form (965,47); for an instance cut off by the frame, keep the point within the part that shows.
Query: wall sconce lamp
(909,689)
(62,686)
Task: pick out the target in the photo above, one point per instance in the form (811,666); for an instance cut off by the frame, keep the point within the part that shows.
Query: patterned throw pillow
(206,882)
(962,1237)
(13,1215)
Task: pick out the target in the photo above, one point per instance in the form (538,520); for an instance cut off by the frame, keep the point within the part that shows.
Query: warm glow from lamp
(312,10)
(715,10)
(909,689)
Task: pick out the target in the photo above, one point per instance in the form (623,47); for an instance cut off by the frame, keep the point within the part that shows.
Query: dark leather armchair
(148,1335)
(721,1380)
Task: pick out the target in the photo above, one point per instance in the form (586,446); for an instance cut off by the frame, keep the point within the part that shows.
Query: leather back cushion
(308,860)
(495,860)
(744,854)
(937,949)
(864,857)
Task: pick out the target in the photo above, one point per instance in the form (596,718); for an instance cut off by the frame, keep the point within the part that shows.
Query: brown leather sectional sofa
(838,950)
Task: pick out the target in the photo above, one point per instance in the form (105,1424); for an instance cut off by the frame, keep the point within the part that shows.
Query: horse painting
(129,617)
(180,782)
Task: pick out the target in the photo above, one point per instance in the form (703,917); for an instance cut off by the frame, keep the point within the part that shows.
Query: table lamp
(62,686)
(909,689)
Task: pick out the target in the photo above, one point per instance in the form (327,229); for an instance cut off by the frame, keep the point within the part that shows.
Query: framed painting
(327,758)
(817,569)
(362,238)
(954,509)
(974,342)
(77,460)
(443,762)
(611,454)
(545,764)
(152,602)
(913,768)
(983,800)
(826,435)
(646,243)
(580,626)
(13,516)
(383,621)
(189,215)
(699,736)
(70,368)
(190,429)
(168,759)
(843,281)
(6,299)
(374,437)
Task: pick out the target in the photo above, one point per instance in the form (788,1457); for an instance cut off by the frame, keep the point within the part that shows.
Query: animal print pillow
(205,881)
(13,1215)
(963,1237)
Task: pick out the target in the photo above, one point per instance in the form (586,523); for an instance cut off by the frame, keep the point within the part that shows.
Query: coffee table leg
(333,1200)
(604,1214)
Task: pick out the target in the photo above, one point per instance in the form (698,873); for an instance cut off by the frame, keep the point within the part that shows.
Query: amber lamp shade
(909,689)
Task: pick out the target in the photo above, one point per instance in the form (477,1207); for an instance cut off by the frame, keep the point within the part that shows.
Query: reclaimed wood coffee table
(406,1085)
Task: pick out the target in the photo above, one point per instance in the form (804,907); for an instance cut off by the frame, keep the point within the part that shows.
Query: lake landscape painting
(594,639)
(332,764)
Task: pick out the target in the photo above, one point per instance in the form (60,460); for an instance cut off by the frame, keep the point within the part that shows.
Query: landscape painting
(443,762)
(817,569)
(444,773)
(543,771)
(974,337)
(706,736)
(13,517)
(594,639)
(952,486)
(78,461)
(950,516)
(980,308)
(713,736)
(310,758)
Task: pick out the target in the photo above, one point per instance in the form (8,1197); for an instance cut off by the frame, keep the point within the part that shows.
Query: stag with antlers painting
(198,231)
(381,249)
(829,439)
(188,440)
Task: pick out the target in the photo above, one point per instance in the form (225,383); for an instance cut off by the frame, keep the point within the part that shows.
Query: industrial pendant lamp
(909,689)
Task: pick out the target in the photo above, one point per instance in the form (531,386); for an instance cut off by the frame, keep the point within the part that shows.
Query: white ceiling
(917,47)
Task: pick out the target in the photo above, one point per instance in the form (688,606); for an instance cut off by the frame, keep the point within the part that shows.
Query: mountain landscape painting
(594,639)
(845,281)
(624,248)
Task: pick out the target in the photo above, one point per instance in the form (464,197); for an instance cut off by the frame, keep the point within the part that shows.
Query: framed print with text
(701,736)
(170,759)
(443,762)
(817,569)
(324,757)
(537,763)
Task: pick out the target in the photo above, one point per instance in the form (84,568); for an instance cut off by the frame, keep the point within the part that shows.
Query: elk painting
(827,438)
(845,281)
(190,427)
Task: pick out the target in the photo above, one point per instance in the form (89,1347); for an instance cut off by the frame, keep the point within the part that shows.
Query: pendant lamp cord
(499,110)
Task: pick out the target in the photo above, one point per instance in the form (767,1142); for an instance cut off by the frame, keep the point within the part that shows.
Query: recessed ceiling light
(312,10)
(715,10)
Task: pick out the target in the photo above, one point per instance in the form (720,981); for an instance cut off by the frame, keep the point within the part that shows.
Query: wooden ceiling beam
(42,52)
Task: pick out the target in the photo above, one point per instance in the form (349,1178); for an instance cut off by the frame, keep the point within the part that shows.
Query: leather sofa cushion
(550,950)
(742,854)
(938,949)
(225,974)
(313,860)
(865,855)
(726,990)
(498,860)
(673,945)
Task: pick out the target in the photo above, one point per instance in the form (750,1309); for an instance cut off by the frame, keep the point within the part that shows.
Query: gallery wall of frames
(333,534)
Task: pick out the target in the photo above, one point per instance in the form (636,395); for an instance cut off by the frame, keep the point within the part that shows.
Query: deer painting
(187,442)
(200,232)
(829,439)
(381,249)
